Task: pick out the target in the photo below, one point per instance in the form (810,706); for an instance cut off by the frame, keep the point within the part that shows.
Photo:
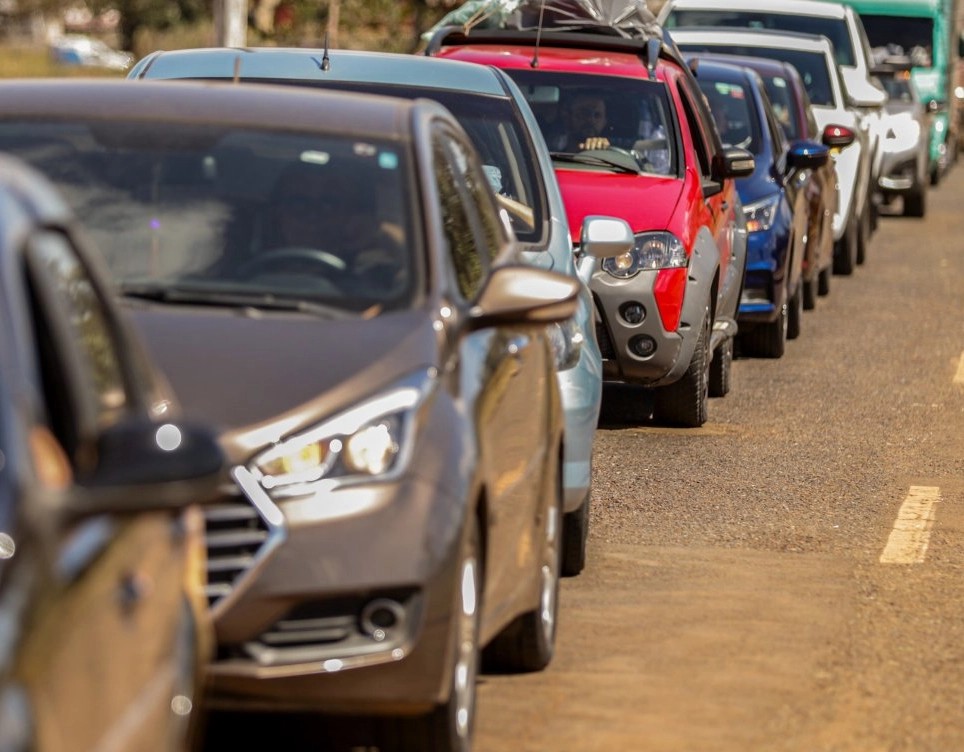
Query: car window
(779,91)
(501,139)
(812,66)
(835,29)
(734,113)
(631,114)
(210,210)
(898,88)
(77,302)
(703,155)
(469,264)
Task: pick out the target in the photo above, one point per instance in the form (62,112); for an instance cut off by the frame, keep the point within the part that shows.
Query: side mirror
(807,155)
(736,163)
(141,466)
(606,237)
(517,295)
(838,136)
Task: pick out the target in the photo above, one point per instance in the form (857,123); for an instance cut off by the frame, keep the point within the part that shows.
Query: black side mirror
(734,162)
(807,155)
(140,465)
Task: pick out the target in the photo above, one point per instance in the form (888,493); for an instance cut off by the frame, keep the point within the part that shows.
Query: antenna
(326,58)
(535,54)
(237,70)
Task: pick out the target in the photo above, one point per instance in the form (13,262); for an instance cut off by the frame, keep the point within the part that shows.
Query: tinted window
(469,266)
(269,215)
(812,66)
(87,319)
(898,88)
(835,29)
(499,136)
(781,99)
(734,113)
(631,114)
(915,36)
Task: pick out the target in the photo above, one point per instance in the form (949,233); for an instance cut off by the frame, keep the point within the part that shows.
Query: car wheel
(767,340)
(823,281)
(685,402)
(795,314)
(720,369)
(863,234)
(529,642)
(809,294)
(915,204)
(935,175)
(450,727)
(845,250)
(575,534)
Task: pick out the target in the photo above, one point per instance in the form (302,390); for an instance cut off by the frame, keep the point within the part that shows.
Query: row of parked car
(359,307)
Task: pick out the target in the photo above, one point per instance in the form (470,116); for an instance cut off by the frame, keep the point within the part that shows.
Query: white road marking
(959,376)
(912,530)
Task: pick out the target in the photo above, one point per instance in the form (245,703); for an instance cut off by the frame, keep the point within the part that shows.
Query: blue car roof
(305,64)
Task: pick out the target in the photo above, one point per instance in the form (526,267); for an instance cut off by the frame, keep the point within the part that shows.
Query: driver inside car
(323,220)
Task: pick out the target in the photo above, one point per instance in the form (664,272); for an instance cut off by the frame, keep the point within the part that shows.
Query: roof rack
(593,38)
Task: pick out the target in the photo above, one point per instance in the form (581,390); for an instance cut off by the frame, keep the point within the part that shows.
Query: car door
(719,207)
(107,659)
(508,365)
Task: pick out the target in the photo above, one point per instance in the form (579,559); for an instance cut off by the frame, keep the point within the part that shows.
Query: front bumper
(347,605)
(901,173)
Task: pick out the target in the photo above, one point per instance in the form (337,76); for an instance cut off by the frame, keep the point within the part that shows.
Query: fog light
(642,345)
(632,313)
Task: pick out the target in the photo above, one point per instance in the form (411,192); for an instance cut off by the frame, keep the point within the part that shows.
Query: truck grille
(235,535)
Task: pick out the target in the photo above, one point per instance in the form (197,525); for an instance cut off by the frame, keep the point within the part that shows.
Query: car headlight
(566,342)
(760,214)
(652,250)
(371,441)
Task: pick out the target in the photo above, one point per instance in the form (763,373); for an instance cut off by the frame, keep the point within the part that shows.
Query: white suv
(813,57)
(840,24)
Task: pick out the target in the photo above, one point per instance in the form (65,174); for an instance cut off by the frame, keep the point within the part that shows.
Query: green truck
(926,31)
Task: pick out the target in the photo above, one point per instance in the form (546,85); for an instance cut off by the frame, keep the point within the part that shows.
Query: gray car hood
(248,375)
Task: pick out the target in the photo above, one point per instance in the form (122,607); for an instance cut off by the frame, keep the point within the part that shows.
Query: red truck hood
(647,203)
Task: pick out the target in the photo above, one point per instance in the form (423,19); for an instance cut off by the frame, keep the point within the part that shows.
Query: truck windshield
(914,35)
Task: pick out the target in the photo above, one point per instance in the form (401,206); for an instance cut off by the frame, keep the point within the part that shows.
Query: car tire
(575,534)
(685,402)
(767,340)
(720,369)
(529,642)
(451,726)
(823,281)
(795,313)
(863,234)
(809,294)
(915,204)
(845,250)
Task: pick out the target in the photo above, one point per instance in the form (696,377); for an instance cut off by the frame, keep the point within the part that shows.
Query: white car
(813,57)
(77,49)
(905,156)
(840,24)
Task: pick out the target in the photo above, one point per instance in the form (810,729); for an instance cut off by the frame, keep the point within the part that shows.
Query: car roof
(306,64)
(256,106)
(724,71)
(762,65)
(753,38)
(791,7)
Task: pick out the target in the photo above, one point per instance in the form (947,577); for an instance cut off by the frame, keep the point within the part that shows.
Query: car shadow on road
(625,406)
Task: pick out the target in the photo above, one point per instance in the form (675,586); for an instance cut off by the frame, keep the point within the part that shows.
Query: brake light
(838,136)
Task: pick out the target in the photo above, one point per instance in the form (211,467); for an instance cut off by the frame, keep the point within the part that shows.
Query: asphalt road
(736,598)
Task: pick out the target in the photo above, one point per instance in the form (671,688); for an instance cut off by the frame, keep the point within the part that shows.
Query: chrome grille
(235,534)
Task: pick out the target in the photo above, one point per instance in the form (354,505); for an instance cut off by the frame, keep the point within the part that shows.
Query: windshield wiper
(619,162)
(258,301)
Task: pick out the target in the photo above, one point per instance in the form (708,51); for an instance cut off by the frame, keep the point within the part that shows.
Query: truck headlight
(652,250)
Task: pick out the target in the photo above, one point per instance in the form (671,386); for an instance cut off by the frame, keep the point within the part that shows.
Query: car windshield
(735,114)
(630,114)
(915,36)
(835,29)
(498,134)
(222,215)
(812,66)
(781,99)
